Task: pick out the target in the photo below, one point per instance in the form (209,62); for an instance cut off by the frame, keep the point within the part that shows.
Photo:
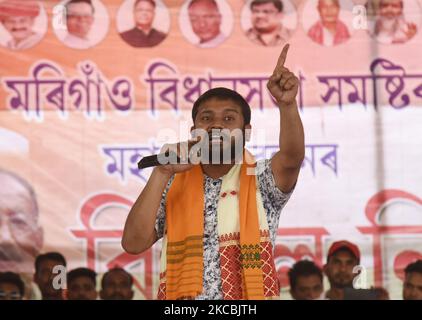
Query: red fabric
(317,35)
(231,268)
(19,8)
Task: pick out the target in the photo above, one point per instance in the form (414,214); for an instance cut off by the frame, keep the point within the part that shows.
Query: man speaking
(219,218)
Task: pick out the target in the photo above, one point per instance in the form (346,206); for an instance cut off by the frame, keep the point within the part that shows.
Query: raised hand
(283,84)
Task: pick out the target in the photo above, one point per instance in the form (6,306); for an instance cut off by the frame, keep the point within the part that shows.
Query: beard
(342,281)
(226,151)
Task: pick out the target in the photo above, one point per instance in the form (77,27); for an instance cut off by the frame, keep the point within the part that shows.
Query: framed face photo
(80,24)
(23,24)
(269,23)
(206,23)
(393,21)
(328,22)
(143,23)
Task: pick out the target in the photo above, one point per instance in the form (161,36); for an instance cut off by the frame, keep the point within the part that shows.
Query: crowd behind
(306,280)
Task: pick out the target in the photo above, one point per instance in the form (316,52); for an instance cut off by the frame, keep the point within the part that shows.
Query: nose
(202,23)
(5,233)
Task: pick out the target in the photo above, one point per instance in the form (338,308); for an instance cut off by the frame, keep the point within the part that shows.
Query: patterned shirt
(273,201)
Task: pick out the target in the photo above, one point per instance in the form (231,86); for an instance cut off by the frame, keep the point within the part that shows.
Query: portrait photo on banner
(269,23)
(206,23)
(143,23)
(327,22)
(83,24)
(23,24)
(393,21)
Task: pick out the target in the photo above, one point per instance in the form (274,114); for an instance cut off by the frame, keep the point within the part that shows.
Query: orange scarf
(241,252)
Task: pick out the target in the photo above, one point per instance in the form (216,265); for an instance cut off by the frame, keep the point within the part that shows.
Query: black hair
(414,267)
(277,3)
(13,278)
(152,2)
(80,1)
(303,268)
(221,93)
(55,256)
(103,280)
(81,272)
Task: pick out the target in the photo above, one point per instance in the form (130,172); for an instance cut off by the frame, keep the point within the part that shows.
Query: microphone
(154,160)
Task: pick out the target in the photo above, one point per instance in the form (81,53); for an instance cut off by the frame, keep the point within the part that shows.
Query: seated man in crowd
(412,286)
(116,284)
(11,286)
(306,281)
(45,273)
(343,256)
(81,284)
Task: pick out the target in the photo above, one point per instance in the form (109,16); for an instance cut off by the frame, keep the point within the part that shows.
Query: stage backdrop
(76,117)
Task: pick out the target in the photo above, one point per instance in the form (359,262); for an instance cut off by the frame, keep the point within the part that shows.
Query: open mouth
(216,137)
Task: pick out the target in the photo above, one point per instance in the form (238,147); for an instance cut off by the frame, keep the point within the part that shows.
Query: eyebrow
(225,110)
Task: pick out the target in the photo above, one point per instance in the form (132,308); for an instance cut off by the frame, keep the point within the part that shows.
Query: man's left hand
(283,84)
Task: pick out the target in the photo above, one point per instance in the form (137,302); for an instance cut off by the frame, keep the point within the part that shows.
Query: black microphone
(154,160)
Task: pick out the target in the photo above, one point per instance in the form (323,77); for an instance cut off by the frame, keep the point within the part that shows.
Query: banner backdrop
(76,114)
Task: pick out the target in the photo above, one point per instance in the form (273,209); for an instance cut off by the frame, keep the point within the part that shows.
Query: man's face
(44,279)
(205,20)
(20,235)
(265,17)
(339,269)
(19,27)
(307,288)
(117,286)
(9,291)
(79,19)
(224,116)
(328,11)
(412,286)
(391,9)
(81,288)
(144,14)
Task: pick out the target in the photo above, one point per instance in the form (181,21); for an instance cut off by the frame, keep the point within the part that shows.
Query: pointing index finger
(282,57)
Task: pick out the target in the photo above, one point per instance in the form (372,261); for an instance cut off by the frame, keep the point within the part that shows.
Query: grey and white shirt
(273,201)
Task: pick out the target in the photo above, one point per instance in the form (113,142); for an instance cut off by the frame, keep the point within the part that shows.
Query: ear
(248,129)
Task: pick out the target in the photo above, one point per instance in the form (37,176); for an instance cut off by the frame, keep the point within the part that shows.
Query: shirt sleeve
(161,213)
(273,198)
